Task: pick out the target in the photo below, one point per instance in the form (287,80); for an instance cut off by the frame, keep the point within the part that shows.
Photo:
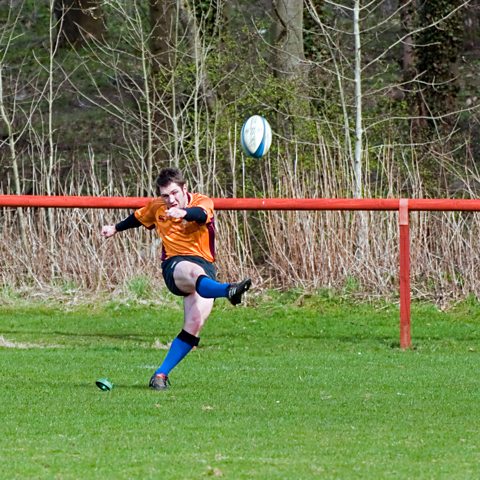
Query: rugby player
(185,223)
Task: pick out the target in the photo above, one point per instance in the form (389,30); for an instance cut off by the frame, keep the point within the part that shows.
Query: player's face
(174,195)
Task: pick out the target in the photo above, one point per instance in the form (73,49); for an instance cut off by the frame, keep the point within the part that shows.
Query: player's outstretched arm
(130,222)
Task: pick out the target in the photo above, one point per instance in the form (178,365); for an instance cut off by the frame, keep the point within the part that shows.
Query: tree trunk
(471,35)
(78,21)
(439,47)
(288,64)
(163,23)
(362,234)
(407,20)
(193,39)
(162,27)
(288,37)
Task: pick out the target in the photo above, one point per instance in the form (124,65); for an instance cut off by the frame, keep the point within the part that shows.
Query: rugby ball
(256,136)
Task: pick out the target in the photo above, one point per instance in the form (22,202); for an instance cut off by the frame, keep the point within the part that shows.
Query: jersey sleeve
(146,214)
(206,204)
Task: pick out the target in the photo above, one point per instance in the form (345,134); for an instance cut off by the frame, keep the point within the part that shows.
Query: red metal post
(403,220)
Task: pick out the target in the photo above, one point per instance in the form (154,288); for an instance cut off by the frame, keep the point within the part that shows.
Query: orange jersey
(180,237)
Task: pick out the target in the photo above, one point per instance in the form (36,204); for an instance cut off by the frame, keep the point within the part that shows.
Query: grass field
(289,388)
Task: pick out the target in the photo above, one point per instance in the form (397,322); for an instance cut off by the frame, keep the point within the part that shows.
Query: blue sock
(208,288)
(180,347)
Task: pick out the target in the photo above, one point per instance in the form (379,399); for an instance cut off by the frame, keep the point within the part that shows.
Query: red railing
(403,206)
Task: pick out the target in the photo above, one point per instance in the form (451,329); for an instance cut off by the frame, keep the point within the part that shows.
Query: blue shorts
(168,266)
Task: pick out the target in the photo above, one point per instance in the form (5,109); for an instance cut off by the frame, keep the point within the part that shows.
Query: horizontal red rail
(246,203)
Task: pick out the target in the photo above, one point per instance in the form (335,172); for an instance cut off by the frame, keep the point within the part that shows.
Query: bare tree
(9,111)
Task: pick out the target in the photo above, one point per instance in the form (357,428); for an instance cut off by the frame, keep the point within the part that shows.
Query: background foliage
(97,96)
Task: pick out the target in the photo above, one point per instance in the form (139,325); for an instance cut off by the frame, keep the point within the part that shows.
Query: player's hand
(108,231)
(176,212)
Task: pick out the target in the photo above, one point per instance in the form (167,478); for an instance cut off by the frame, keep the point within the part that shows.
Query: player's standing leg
(196,311)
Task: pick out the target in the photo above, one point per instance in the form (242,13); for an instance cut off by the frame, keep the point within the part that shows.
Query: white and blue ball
(256,136)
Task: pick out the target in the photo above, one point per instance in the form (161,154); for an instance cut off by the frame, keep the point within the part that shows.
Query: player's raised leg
(190,277)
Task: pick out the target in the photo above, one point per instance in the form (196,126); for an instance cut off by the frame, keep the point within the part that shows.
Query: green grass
(289,388)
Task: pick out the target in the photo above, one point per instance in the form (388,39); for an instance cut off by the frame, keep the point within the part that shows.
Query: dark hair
(170,175)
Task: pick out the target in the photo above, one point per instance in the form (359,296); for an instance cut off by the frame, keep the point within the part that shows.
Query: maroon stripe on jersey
(164,254)
(211,235)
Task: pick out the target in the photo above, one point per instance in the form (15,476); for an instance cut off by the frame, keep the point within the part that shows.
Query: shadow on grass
(112,336)
(104,340)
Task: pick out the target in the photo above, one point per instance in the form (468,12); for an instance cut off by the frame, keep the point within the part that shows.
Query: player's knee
(195,273)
